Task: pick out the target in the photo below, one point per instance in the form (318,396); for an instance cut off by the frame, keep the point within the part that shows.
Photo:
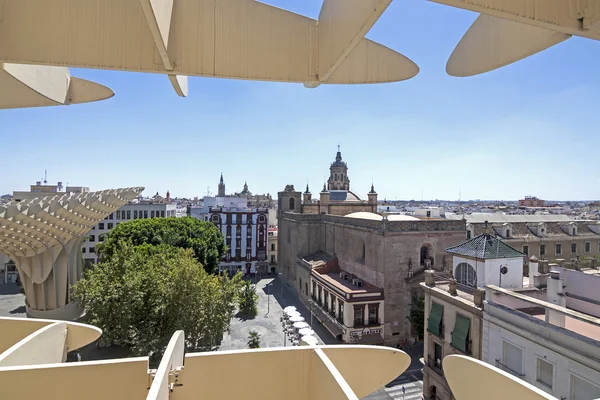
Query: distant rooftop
(327,268)
(498,217)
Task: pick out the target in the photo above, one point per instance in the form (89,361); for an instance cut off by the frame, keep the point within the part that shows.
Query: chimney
(554,295)
(452,287)
(430,278)
(478,297)
(533,269)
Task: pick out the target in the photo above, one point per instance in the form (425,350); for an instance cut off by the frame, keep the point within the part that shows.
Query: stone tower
(373,196)
(289,200)
(324,199)
(338,176)
(221,192)
(307,197)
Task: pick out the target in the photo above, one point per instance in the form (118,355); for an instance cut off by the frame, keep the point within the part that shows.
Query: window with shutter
(512,358)
(460,334)
(434,322)
(582,389)
(545,372)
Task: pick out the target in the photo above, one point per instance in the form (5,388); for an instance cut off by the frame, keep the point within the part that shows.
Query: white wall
(581,284)
(511,280)
(564,367)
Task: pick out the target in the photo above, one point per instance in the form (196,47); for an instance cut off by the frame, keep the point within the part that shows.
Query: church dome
(343,195)
(365,215)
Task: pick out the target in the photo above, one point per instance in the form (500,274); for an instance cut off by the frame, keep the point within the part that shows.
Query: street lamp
(280,285)
(268,299)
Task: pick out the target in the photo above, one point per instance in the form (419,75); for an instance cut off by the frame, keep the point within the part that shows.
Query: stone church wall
(391,249)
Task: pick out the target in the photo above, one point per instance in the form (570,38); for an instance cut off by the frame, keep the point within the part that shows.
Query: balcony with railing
(327,317)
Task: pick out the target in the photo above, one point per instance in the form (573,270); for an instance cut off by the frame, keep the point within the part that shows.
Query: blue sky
(528,128)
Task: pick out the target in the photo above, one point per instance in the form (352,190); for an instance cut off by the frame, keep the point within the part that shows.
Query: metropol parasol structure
(236,39)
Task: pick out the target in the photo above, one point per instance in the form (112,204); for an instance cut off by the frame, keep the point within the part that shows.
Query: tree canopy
(140,295)
(203,238)
(417,316)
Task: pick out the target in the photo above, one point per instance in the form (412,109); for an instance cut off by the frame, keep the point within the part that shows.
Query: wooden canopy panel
(508,31)
(492,43)
(239,39)
(38,86)
(344,372)
(16,329)
(471,379)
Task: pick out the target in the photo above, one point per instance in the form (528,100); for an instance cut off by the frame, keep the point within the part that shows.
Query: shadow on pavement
(18,310)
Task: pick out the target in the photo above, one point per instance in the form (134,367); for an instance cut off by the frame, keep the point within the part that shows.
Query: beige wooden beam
(327,382)
(171,363)
(342,25)
(158,14)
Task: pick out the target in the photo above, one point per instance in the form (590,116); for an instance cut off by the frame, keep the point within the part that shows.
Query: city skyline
(501,135)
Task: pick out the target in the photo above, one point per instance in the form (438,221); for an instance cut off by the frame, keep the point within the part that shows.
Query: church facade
(336,251)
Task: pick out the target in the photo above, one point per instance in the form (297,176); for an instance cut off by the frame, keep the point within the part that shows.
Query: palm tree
(253,340)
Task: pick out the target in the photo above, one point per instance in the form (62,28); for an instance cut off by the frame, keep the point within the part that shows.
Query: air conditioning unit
(357,282)
(342,275)
(345,276)
(410,274)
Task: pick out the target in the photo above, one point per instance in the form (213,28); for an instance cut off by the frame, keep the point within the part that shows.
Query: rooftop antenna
(45,176)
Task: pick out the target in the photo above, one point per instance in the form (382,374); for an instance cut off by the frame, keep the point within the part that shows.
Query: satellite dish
(503,270)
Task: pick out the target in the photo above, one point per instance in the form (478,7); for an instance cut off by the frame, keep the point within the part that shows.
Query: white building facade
(548,346)
(136,210)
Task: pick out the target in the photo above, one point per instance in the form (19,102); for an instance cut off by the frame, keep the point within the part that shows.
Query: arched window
(215,218)
(261,218)
(426,254)
(465,274)
(292,203)
(335,176)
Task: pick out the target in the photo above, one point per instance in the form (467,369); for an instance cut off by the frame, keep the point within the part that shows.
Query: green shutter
(460,334)
(434,322)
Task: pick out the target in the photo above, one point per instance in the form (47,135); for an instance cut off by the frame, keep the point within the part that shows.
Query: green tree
(139,296)
(248,299)
(417,316)
(253,340)
(203,238)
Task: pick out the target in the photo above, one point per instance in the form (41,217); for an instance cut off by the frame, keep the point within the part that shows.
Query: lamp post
(268,299)
(280,285)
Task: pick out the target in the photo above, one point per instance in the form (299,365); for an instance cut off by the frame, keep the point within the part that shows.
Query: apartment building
(540,340)
(453,325)
(350,308)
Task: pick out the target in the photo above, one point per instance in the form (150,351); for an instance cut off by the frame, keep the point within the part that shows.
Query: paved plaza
(272,299)
(12,302)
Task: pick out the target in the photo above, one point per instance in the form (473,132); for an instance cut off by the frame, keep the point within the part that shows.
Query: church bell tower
(338,174)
